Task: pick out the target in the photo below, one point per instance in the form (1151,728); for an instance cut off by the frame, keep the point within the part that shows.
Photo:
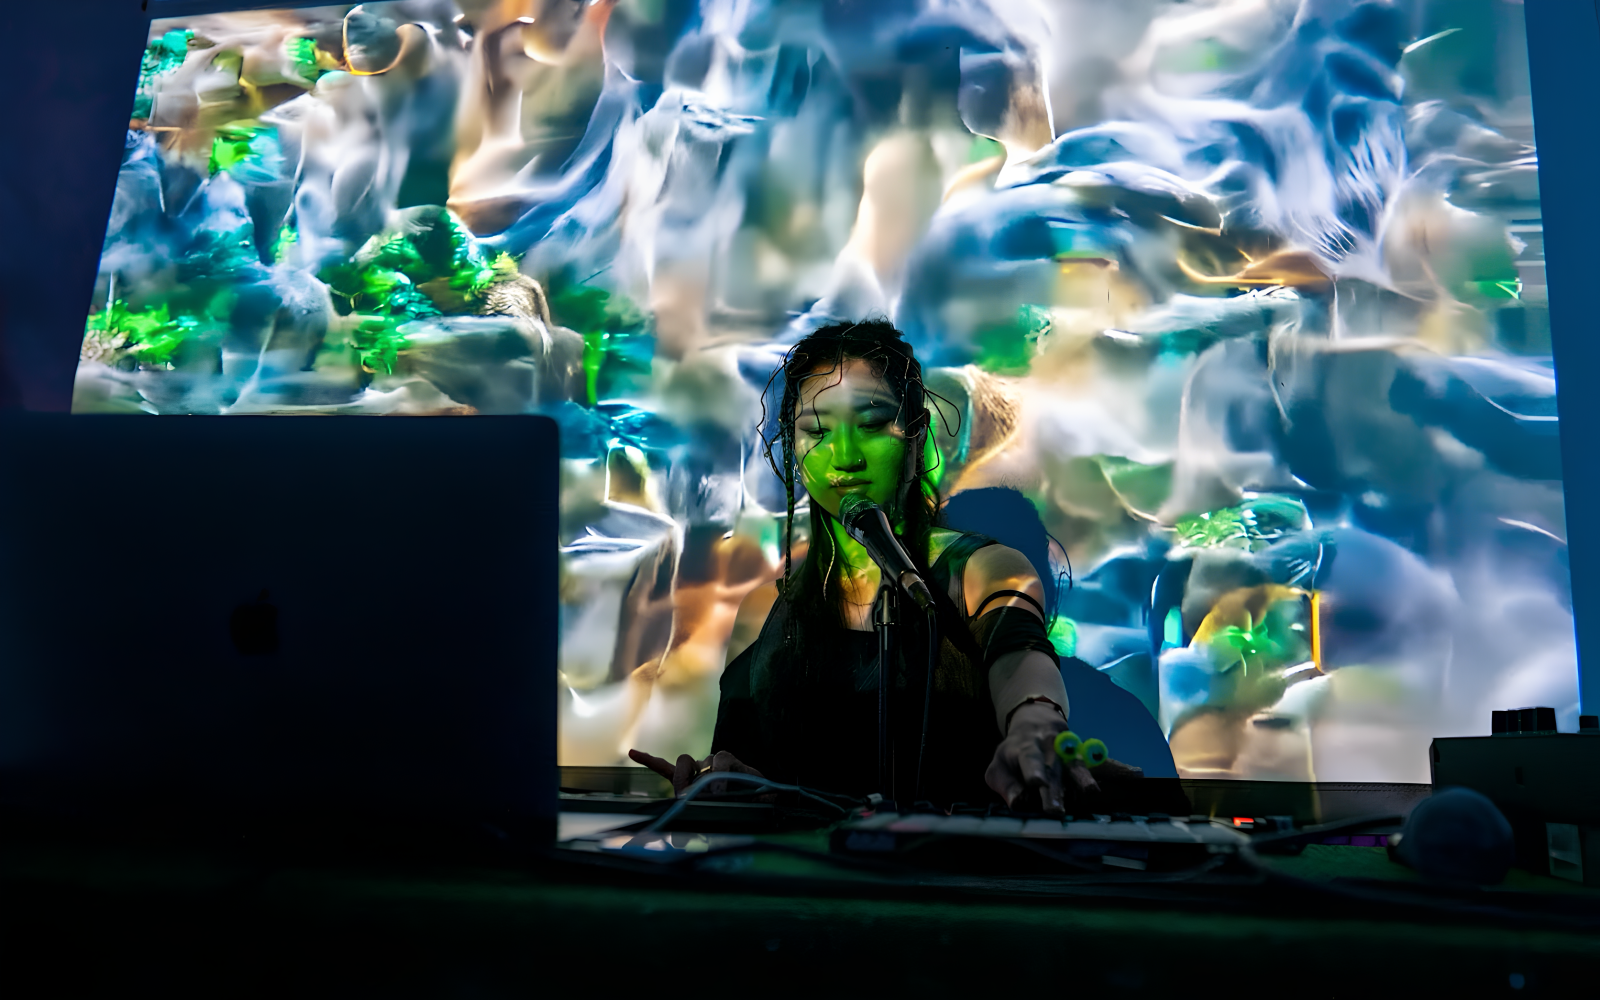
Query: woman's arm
(1024,676)
(1030,700)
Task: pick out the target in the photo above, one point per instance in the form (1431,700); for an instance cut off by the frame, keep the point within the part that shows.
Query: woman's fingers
(1080,778)
(1041,775)
(655,764)
(725,761)
(684,773)
(1028,775)
(1003,780)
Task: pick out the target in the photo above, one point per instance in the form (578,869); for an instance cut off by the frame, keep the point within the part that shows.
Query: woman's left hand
(687,770)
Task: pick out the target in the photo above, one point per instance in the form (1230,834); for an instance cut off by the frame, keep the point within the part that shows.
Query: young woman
(800,704)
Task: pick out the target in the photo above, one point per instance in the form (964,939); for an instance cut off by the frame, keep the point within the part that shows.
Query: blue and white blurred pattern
(1166,259)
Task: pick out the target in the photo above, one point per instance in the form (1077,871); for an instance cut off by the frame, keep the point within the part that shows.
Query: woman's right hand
(687,769)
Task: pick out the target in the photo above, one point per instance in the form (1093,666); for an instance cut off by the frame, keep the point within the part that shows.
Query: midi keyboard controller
(1153,843)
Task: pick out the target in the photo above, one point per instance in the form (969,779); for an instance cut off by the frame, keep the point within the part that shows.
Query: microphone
(867,524)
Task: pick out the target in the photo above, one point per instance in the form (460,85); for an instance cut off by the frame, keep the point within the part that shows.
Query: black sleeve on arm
(1011,629)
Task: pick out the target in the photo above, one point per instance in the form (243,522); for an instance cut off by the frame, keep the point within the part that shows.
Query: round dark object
(1457,835)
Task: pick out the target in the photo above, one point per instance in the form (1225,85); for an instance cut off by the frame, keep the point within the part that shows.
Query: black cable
(927,698)
(1101,885)
(701,784)
(827,857)
(1067,558)
(907,869)
(1057,856)
(1455,907)
(902,870)
(1308,834)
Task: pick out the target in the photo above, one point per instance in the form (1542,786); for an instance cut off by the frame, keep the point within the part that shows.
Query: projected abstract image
(1245,297)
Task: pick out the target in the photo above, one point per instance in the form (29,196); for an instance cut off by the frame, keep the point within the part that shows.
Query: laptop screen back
(319,617)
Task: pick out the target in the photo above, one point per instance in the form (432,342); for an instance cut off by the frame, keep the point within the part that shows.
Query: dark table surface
(92,917)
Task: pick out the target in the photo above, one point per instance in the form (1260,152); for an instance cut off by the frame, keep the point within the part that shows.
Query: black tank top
(832,742)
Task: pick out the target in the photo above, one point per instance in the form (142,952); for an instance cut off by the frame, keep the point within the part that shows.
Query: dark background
(68,76)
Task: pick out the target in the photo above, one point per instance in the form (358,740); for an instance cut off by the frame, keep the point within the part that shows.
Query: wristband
(1036,699)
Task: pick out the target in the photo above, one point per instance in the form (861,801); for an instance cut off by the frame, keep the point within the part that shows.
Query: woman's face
(848,435)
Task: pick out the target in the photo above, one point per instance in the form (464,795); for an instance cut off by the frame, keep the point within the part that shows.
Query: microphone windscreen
(854,506)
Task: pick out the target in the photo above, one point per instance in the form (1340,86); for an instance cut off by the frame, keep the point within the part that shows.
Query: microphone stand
(885,618)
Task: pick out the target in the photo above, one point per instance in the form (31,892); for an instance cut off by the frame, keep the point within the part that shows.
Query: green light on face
(848,450)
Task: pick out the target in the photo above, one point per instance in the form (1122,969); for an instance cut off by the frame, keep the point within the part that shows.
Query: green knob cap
(1093,753)
(1068,745)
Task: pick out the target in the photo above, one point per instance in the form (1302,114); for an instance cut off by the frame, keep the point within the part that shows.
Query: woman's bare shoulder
(998,567)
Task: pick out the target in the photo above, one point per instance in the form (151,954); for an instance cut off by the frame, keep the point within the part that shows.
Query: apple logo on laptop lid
(254,627)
